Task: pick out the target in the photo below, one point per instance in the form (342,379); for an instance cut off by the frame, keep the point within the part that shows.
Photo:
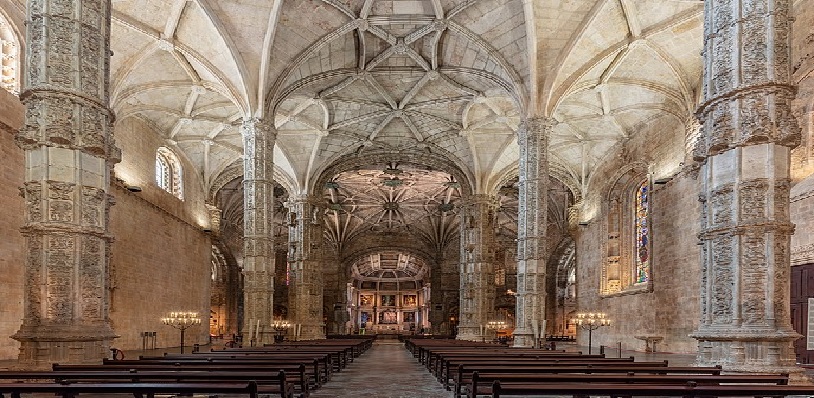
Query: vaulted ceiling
(448,79)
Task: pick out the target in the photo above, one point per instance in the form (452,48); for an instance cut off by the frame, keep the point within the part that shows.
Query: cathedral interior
(408,167)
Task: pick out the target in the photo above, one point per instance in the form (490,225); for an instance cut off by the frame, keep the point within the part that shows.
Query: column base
(42,346)
(523,340)
(311,332)
(465,335)
(750,351)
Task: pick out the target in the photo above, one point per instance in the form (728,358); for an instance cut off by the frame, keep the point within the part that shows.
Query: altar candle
(257,331)
(250,330)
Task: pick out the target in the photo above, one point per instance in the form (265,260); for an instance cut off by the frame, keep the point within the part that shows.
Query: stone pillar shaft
(305,238)
(748,131)
(531,231)
(69,151)
(258,228)
(477,266)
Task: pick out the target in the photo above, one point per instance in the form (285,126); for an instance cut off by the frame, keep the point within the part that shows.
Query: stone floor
(387,370)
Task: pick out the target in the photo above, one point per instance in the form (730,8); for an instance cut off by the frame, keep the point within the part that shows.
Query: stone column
(436,303)
(305,257)
(748,130)
(531,230)
(258,228)
(477,266)
(69,151)
(693,152)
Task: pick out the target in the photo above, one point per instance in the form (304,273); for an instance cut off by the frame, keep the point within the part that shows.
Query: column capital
(539,123)
(479,199)
(258,126)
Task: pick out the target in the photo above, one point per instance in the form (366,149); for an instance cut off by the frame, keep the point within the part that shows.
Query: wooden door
(802,287)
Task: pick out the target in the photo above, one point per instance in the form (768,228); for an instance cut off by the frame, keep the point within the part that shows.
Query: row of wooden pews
(476,369)
(283,370)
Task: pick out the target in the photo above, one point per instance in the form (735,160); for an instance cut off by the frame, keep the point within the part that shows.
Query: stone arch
(411,157)
(224,291)
(561,265)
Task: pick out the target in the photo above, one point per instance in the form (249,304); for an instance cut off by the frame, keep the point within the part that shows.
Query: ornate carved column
(69,150)
(745,227)
(258,228)
(305,237)
(693,153)
(531,230)
(477,266)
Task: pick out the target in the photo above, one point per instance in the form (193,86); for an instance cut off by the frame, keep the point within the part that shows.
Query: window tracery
(642,232)
(168,173)
(9,58)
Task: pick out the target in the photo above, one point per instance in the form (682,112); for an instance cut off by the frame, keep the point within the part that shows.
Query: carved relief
(722,279)
(753,58)
(33,200)
(59,269)
(93,132)
(36,34)
(720,132)
(29,134)
(754,116)
(753,277)
(60,51)
(33,275)
(92,206)
(722,201)
(91,276)
(781,281)
(753,199)
(59,121)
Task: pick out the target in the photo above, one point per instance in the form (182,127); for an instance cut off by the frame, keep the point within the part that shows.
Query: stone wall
(671,310)
(11,219)
(161,257)
(802,215)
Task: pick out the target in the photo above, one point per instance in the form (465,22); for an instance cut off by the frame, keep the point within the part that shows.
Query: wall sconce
(583,223)
(662,181)
(133,188)
(207,230)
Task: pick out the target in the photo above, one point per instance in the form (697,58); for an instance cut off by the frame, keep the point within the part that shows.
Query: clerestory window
(168,173)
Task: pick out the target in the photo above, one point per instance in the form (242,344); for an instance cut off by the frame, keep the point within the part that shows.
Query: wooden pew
(318,368)
(268,382)
(481,384)
(463,375)
(691,390)
(444,364)
(296,377)
(138,390)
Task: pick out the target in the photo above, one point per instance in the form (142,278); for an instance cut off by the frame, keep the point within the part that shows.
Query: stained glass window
(642,233)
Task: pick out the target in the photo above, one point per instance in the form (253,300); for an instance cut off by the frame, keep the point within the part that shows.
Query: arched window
(641,225)
(9,58)
(168,173)
(628,250)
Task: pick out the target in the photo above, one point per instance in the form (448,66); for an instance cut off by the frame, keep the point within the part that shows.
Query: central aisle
(386,370)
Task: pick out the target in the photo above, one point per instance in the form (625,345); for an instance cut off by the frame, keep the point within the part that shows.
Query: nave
(386,370)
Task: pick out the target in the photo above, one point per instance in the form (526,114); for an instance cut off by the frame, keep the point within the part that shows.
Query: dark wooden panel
(802,287)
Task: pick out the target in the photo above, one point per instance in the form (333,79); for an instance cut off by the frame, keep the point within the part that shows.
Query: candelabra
(590,321)
(496,325)
(280,327)
(182,321)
